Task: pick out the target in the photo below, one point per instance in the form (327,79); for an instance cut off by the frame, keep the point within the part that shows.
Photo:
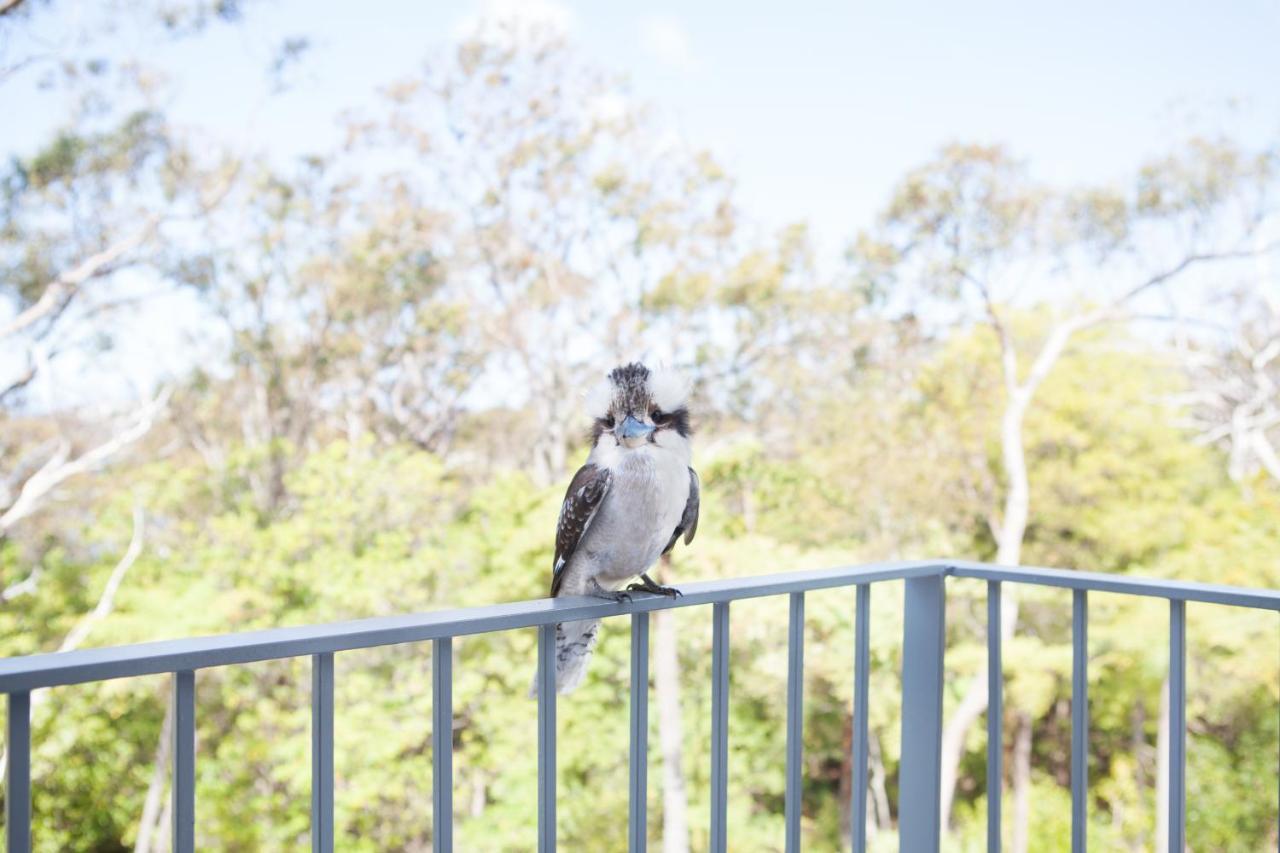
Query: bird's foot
(647,584)
(597,591)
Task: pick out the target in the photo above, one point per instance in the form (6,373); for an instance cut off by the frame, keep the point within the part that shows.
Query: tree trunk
(877,805)
(1162,771)
(106,601)
(666,676)
(1138,745)
(148,826)
(1013,528)
(1022,784)
(880,815)
(844,788)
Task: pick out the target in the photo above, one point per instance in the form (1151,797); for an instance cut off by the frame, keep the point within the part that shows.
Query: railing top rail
(1262,599)
(47,670)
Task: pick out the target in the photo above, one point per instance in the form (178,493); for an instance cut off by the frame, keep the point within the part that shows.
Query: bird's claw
(656,589)
(609,595)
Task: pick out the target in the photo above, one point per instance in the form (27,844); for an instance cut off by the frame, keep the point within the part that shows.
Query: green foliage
(343,457)
(374,530)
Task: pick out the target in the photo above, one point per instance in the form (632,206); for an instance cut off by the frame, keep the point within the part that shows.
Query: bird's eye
(607,422)
(659,416)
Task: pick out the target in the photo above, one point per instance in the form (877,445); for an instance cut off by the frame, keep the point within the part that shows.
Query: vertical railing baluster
(995,716)
(719,726)
(795,721)
(17,792)
(322,752)
(1177,724)
(1079,721)
(546,738)
(638,797)
(920,776)
(442,745)
(861,700)
(184,761)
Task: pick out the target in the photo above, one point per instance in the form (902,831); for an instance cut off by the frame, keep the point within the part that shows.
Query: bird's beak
(632,432)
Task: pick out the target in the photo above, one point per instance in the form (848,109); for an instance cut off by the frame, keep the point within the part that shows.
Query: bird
(633,499)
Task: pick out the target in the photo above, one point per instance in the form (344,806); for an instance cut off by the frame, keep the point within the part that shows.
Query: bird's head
(636,406)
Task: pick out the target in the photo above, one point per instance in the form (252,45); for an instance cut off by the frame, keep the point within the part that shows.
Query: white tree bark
(64,287)
(60,467)
(1019,394)
(149,826)
(106,601)
(1162,771)
(1022,784)
(880,815)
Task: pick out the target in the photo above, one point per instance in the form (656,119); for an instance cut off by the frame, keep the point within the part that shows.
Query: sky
(817,109)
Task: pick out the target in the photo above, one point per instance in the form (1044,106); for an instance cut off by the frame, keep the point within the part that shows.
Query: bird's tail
(574,644)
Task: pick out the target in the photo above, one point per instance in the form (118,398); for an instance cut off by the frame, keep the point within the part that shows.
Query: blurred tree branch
(63,464)
(106,602)
(57,294)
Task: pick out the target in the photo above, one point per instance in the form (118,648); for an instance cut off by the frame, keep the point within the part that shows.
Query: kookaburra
(635,496)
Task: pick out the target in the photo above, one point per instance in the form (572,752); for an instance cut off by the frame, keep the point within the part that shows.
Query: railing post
(719,727)
(546,738)
(861,702)
(924,634)
(793,800)
(1177,724)
(637,817)
(322,753)
(995,716)
(184,761)
(17,793)
(442,745)
(1079,721)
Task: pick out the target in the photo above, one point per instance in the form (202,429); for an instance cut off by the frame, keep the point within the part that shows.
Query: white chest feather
(639,515)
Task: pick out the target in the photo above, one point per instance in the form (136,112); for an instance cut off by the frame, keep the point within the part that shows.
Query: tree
(1235,394)
(562,219)
(973,231)
(108,194)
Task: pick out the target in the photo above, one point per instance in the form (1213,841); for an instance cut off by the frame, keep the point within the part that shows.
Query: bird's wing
(582,500)
(689,519)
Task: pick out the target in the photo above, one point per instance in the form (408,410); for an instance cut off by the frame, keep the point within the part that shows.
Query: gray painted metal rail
(322,753)
(637,818)
(719,727)
(924,636)
(995,715)
(441,745)
(1079,720)
(184,761)
(49,670)
(861,706)
(17,795)
(1177,725)
(795,721)
(920,777)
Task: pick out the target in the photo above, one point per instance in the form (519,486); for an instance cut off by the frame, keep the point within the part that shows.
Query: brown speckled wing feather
(689,520)
(582,500)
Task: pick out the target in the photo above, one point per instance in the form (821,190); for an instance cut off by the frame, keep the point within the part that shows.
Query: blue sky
(816,108)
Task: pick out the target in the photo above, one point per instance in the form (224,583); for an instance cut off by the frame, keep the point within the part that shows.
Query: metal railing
(924,638)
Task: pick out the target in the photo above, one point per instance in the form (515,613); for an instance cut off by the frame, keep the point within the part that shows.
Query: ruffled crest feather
(668,388)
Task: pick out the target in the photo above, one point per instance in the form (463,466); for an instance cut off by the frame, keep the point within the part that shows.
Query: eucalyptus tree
(1234,399)
(569,208)
(91,224)
(972,239)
